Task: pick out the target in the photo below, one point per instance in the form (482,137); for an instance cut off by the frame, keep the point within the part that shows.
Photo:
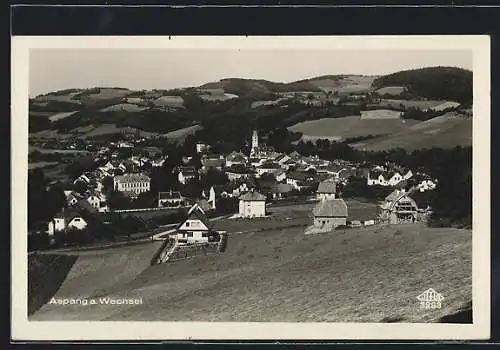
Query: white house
(66,220)
(195,228)
(132,184)
(326,190)
(252,204)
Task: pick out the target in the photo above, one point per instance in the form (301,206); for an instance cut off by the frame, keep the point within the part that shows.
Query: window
(190,234)
(204,234)
(187,224)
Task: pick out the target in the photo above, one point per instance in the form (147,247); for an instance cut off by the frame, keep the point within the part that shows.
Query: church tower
(255,140)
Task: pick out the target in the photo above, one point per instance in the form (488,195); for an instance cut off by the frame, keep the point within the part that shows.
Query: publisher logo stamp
(430,299)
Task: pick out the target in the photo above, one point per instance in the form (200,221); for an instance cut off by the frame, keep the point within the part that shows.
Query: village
(255,182)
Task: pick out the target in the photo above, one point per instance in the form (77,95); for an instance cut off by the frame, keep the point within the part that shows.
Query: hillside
(445,131)
(441,83)
(357,275)
(339,129)
(227,109)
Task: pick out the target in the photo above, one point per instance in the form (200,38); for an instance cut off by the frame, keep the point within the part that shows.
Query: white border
(22,329)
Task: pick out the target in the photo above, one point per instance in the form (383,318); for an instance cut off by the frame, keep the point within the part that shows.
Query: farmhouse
(132,184)
(238,171)
(300,179)
(170,199)
(398,207)
(252,204)
(329,214)
(196,228)
(326,190)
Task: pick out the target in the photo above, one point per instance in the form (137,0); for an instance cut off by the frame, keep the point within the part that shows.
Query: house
(280,175)
(426,185)
(132,184)
(326,190)
(212,162)
(329,214)
(186,173)
(252,204)
(202,147)
(280,191)
(97,201)
(75,218)
(236,158)
(239,186)
(196,228)
(268,168)
(398,207)
(170,199)
(282,159)
(238,171)
(158,162)
(300,179)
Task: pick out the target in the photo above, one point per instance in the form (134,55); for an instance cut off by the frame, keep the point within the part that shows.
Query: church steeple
(255,140)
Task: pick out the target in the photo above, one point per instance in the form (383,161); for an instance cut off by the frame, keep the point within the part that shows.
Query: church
(259,151)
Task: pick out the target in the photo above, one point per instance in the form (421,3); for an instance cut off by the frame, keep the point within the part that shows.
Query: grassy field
(128,107)
(341,128)
(391,90)
(106,129)
(61,115)
(445,131)
(181,134)
(362,275)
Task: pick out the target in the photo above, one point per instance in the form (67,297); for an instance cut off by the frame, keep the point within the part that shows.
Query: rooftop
(331,208)
(253,196)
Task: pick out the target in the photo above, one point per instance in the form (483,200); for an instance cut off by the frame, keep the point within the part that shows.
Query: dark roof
(331,208)
(327,187)
(300,175)
(270,165)
(197,213)
(238,169)
(169,195)
(253,196)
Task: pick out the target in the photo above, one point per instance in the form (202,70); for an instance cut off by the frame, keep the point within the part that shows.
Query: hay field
(445,131)
(423,105)
(337,129)
(357,275)
(169,101)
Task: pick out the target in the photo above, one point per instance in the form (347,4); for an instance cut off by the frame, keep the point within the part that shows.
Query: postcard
(260,188)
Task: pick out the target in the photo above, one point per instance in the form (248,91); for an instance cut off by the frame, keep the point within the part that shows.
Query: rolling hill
(248,103)
(445,131)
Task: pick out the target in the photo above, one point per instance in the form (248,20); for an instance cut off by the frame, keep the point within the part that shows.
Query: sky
(138,69)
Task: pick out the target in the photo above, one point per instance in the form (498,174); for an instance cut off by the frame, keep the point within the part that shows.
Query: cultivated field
(127,107)
(380,114)
(391,90)
(445,131)
(169,101)
(337,129)
(180,134)
(61,115)
(424,104)
(106,129)
(362,275)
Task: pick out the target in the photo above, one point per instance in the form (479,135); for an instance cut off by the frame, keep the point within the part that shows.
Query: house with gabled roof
(329,214)
(398,207)
(327,189)
(236,158)
(196,228)
(252,204)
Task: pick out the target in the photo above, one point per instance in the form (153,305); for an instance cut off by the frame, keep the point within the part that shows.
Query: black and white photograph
(244,181)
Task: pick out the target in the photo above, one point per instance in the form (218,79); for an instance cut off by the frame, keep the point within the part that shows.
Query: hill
(357,275)
(339,129)
(441,83)
(445,131)
(227,109)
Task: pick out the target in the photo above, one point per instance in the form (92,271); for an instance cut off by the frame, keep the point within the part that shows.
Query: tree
(213,177)
(116,201)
